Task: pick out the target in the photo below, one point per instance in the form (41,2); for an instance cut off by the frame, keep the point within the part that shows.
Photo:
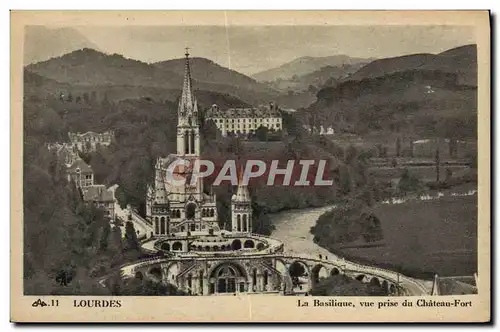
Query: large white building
(173,208)
(245,120)
(89,141)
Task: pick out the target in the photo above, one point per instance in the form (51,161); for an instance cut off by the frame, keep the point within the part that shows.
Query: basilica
(173,208)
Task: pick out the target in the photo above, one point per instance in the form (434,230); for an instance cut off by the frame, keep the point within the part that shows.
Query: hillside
(37,86)
(415,95)
(416,102)
(305,65)
(42,43)
(206,71)
(461,61)
(327,75)
(90,68)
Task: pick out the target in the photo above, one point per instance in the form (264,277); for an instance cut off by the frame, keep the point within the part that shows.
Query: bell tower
(188,129)
(241,210)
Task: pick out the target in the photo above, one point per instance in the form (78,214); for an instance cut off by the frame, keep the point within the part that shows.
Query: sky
(253,49)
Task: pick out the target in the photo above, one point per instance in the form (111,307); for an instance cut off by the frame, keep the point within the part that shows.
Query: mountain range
(120,78)
(416,95)
(90,68)
(42,43)
(306,65)
(460,60)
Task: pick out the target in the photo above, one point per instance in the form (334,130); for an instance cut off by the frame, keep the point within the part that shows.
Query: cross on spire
(187,52)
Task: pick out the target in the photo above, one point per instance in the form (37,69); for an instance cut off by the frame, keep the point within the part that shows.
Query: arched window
(162,225)
(236,245)
(227,279)
(212,212)
(203,212)
(165,247)
(190,210)
(186,142)
(177,213)
(254,277)
(245,223)
(238,223)
(157,225)
(201,281)
(266,277)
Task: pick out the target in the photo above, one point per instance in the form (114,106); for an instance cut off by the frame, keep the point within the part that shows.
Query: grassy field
(425,237)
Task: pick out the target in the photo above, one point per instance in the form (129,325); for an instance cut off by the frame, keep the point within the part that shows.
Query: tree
(437,161)
(116,244)
(398,147)
(262,133)
(93,97)
(131,241)
(409,183)
(86,98)
(105,237)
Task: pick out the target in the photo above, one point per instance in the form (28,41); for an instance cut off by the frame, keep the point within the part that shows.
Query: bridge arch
(170,272)
(360,277)
(375,282)
(156,272)
(334,271)
(249,244)
(300,275)
(318,273)
(165,246)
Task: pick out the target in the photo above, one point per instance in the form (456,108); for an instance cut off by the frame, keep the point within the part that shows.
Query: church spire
(187,103)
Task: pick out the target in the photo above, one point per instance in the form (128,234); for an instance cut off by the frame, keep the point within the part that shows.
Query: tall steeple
(188,131)
(187,103)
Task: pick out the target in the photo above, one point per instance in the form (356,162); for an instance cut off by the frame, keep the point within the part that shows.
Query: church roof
(79,166)
(98,193)
(242,194)
(267,111)
(187,102)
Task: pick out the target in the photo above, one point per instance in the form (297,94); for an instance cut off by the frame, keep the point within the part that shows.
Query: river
(293,229)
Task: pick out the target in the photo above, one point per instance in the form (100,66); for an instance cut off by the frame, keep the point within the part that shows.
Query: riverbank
(421,237)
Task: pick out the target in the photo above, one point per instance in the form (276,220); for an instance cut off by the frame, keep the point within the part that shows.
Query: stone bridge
(262,273)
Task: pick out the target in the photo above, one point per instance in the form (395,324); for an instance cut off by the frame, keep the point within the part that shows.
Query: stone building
(245,120)
(100,197)
(426,148)
(65,152)
(89,141)
(81,173)
(173,208)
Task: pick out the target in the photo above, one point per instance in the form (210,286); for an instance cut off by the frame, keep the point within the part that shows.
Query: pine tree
(131,241)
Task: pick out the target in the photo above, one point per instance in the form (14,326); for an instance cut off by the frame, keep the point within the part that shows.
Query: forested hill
(90,68)
(461,61)
(306,65)
(419,95)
